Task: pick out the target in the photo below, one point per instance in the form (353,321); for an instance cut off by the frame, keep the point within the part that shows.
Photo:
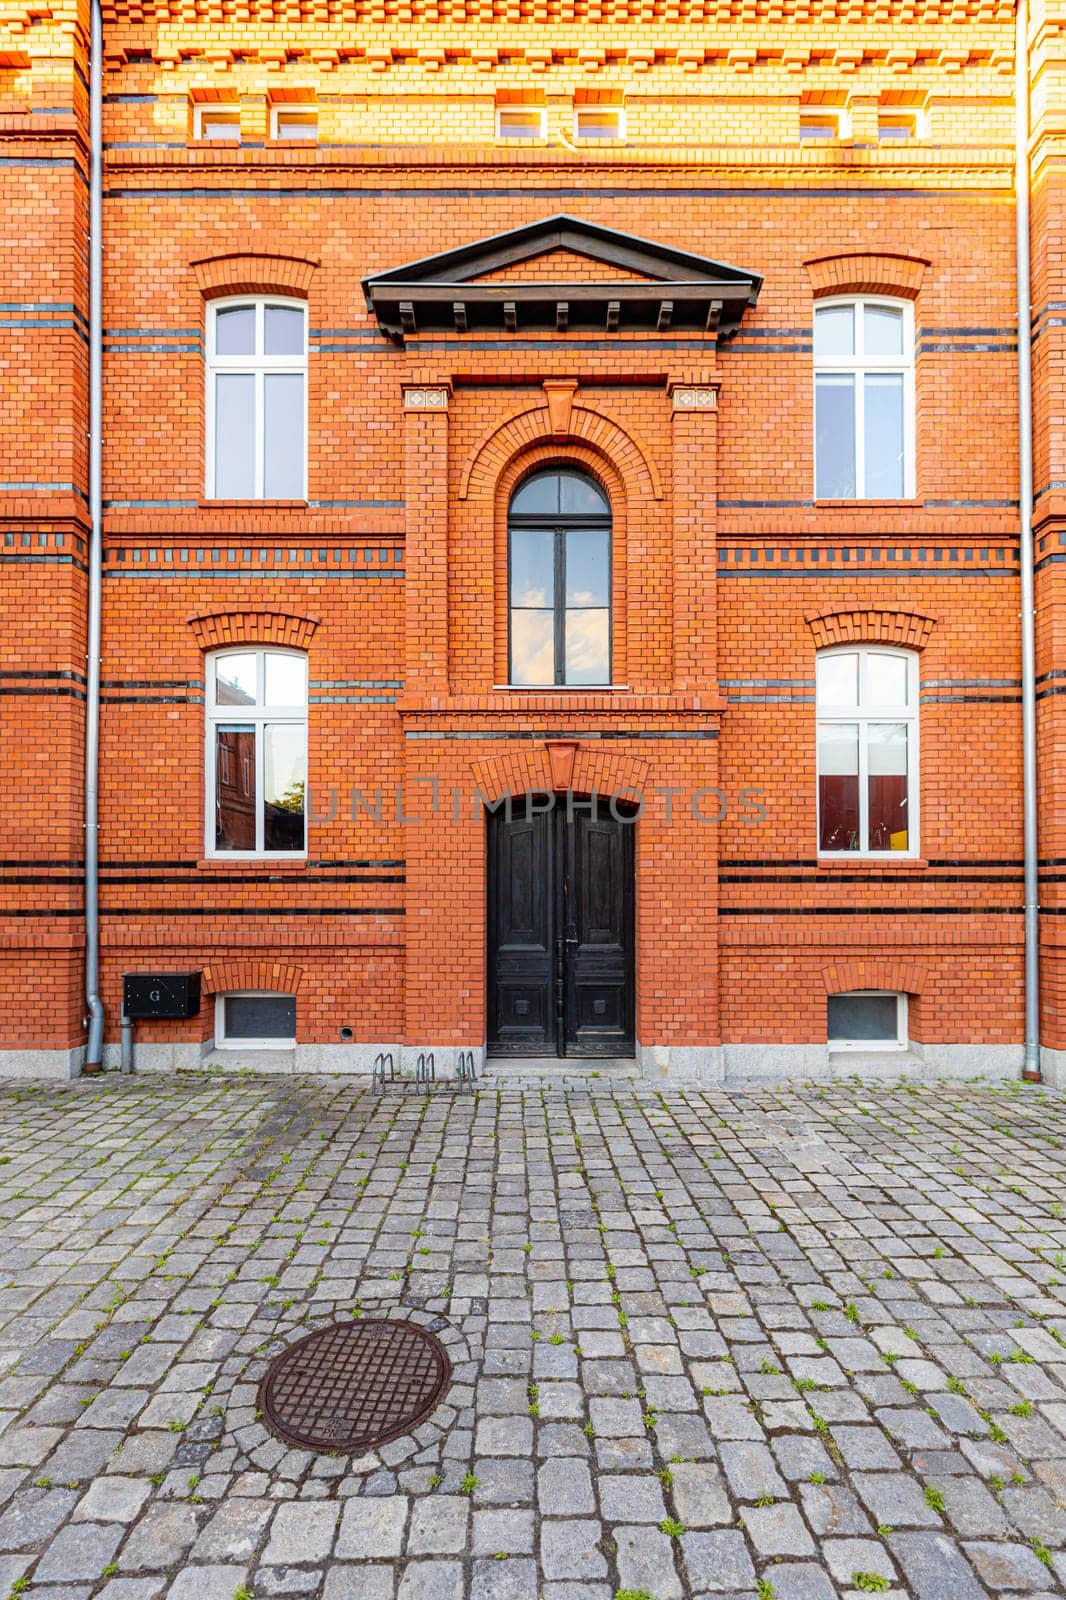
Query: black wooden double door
(560,929)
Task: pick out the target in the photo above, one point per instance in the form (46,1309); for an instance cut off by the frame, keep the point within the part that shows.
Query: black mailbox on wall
(161,994)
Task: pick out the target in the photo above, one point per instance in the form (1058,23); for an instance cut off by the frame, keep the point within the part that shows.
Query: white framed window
(864,399)
(900,122)
(294,122)
(824,122)
(521,122)
(256,753)
(867,1019)
(217,122)
(599,122)
(252,1019)
(256,399)
(867,703)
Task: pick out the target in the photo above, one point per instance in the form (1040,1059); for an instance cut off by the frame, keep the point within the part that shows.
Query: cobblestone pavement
(788,1344)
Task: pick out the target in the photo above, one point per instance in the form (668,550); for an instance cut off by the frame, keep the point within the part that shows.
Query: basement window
(867,1019)
(520,122)
(255,1021)
(217,122)
(289,124)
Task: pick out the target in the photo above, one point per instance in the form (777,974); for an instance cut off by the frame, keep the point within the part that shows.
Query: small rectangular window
(217,122)
(822,124)
(599,122)
(255,1022)
(867,1020)
(520,122)
(897,125)
(294,124)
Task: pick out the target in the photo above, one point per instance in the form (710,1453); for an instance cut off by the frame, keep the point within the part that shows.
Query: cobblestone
(686,1361)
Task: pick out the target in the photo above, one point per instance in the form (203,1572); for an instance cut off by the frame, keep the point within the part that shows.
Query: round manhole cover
(354,1385)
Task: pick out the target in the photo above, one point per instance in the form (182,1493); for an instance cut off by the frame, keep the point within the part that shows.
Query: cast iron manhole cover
(354,1385)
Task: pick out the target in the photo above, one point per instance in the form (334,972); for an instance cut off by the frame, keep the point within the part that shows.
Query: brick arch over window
(274,977)
(534,425)
(529,770)
(240,273)
(862,272)
(265,625)
(898,977)
(904,627)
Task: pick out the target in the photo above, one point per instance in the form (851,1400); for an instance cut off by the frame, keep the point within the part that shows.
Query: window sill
(265,863)
(865,862)
(205,504)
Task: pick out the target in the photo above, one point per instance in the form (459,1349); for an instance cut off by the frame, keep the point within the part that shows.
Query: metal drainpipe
(95,1050)
(1031,1067)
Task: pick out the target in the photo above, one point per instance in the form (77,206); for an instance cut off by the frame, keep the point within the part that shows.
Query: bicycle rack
(378,1081)
(426,1070)
(465,1071)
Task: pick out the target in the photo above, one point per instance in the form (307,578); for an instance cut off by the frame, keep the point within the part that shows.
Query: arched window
(864,399)
(867,752)
(256,752)
(256,400)
(559,560)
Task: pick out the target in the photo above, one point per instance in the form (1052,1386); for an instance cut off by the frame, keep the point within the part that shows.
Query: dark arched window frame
(579,541)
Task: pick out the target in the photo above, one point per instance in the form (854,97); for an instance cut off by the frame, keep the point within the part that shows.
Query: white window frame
(861,368)
(306,115)
(258,715)
(618,111)
(900,1042)
(223,1043)
(541,114)
(216,108)
(863,715)
(258,366)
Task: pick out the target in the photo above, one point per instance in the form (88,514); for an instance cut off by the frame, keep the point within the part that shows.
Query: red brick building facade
(609,404)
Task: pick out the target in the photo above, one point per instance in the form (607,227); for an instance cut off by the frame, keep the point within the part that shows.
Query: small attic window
(520,122)
(599,122)
(899,123)
(289,122)
(217,122)
(822,122)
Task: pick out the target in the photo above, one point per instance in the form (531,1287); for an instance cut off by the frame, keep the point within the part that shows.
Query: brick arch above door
(539,769)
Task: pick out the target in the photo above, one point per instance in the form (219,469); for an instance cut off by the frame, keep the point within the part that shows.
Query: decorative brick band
(906,628)
(529,770)
(862,273)
(266,625)
(229,977)
(254,274)
(898,977)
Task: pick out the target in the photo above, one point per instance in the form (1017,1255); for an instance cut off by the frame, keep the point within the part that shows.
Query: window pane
(234,788)
(538,494)
(834,331)
(838,680)
(838,786)
(235,680)
(886,680)
(588,646)
(260,1016)
(834,426)
(283,785)
(296,125)
(588,560)
(235,331)
(532,567)
(887,757)
(283,437)
(882,331)
(532,646)
(283,331)
(519,124)
(852,1017)
(884,436)
(286,680)
(234,436)
(605,124)
(217,125)
(581,497)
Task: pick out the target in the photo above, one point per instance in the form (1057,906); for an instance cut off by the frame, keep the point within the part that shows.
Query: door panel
(561,932)
(598,894)
(521,933)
